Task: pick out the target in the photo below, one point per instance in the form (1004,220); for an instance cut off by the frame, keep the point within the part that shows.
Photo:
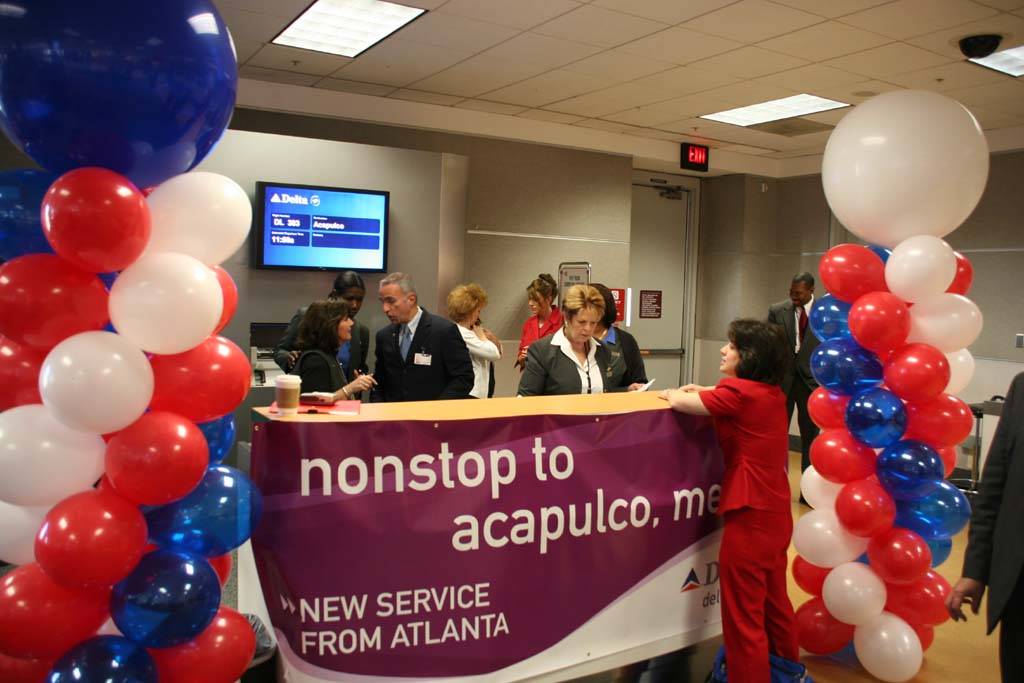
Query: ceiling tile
(684,80)
(288,9)
(608,101)
(245,49)
(1007,96)
(618,66)
(491,107)
(610,126)
(856,93)
(948,77)
(299,61)
(887,60)
(908,18)
(598,26)
(258,73)
(1005,5)
(831,8)
(479,74)
(395,62)
(541,50)
(642,117)
(425,97)
(252,25)
(552,116)
(355,87)
(455,32)
(812,78)
(750,21)
(548,87)
(658,134)
(668,11)
(796,153)
(679,45)
(749,92)
(945,42)
(824,41)
(691,105)
(424,4)
(748,62)
(521,14)
(990,119)
(746,149)
(830,117)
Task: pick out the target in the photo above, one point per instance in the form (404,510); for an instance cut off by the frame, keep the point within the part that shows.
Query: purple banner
(458,548)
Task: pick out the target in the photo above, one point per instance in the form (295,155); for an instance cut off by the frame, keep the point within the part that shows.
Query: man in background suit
(995,544)
(420,357)
(798,382)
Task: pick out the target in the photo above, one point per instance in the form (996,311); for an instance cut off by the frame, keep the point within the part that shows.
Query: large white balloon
(919,267)
(204,215)
(948,322)
(853,593)
(821,540)
(166,303)
(961,370)
(819,492)
(888,648)
(904,163)
(42,460)
(18,527)
(96,382)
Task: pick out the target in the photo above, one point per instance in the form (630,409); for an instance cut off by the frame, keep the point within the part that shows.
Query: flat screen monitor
(309,227)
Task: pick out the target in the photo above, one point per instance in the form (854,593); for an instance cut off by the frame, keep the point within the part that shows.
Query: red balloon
(46,300)
(943,421)
(964,275)
(19,374)
(157,459)
(818,631)
(220,654)
(14,670)
(864,508)
(40,618)
(948,455)
(926,634)
(899,556)
(809,577)
(879,321)
(917,372)
(827,409)
(849,271)
(922,602)
(222,565)
(203,383)
(96,219)
(91,539)
(230,291)
(840,458)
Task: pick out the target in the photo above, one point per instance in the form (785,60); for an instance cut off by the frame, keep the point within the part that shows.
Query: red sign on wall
(620,304)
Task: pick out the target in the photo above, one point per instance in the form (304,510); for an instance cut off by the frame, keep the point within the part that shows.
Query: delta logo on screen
(280,198)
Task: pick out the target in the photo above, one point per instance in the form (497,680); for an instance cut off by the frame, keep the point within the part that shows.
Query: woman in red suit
(749,411)
(546,318)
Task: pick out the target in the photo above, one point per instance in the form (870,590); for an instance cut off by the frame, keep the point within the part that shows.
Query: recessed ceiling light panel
(346,27)
(785,108)
(1008,61)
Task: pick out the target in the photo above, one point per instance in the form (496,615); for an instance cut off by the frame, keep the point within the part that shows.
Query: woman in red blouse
(749,411)
(546,318)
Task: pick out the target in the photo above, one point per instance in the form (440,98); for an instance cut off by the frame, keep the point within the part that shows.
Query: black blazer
(549,373)
(357,346)
(627,363)
(995,543)
(449,374)
(319,372)
(784,313)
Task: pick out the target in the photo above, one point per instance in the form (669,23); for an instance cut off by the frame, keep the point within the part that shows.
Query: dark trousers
(797,398)
(1011,636)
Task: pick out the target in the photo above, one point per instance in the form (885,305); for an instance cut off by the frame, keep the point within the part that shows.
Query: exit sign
(695,157)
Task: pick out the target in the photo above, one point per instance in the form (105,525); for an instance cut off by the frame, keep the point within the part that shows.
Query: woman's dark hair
(347,280)
(319,327)
(763,350)
(609,305)
(544,287)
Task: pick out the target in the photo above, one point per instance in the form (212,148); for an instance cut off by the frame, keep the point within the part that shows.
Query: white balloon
(961,370)
(819,492)
(166,303)
(44,461)
(886,169)
(18,527)
(202,214)
(853,593)
(821,540)
(948,322)
(96,382)
(919,267)
(888,648)
(109,628)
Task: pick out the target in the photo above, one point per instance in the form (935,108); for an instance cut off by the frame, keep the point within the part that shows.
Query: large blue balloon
(21,193)
(842,366)
(167,600)
(940,514)
(909,469)
(828,318)
(220,514)
(143,93)
(876,417)
(220,436)
(110,659)
(941,548)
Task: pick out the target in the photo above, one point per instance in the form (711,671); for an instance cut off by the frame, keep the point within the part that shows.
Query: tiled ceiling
(650,68)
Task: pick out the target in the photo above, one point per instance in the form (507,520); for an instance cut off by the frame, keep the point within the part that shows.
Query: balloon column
(110,361)
(895,329)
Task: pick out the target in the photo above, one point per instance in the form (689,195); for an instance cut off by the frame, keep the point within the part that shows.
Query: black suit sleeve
(978,556)
(315,373)
(378,395)
(287,342)
(364,340)
(458,367)
(635,370)
(534,374)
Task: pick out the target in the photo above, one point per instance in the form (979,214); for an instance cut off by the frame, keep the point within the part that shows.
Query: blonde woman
(465,303)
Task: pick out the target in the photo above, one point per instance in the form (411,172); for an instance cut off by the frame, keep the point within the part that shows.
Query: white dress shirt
(796,321)
(589,367)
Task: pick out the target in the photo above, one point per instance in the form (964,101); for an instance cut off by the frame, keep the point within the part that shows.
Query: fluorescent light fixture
(786,108)
(1008,61)
(346,27)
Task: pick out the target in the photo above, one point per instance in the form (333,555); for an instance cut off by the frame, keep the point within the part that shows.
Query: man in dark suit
(798,382)
(420,357)
(995,544)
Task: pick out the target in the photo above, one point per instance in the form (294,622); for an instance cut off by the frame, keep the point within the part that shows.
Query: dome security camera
(976,47)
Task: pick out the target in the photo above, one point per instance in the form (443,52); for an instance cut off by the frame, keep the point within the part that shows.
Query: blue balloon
(882,252)
(940,514)
(940,547)
(145,94)
(220,514)
(863,559)
(909,469)
(828,319)
(220,436)
(108,279)
(842,366)
(167,600)
(21,232)
(876,417)
(111,659)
